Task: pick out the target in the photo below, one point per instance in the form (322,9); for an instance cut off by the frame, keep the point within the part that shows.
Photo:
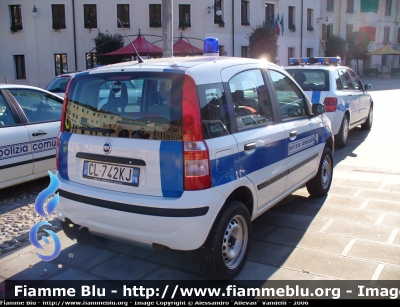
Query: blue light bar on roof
(211,46)
(313,60)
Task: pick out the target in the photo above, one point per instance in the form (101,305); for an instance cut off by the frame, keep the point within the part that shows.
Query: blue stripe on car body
(171,168)
(316,96)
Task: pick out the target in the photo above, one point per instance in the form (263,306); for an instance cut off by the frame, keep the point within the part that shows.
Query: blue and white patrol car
(209,145)
(29,126)
(347,102)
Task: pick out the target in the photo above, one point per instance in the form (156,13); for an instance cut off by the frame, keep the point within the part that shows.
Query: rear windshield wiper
(95,129)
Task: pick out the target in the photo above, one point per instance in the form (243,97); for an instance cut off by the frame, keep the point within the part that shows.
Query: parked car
(29,125)
(59,84)
(347,102)
(202,154)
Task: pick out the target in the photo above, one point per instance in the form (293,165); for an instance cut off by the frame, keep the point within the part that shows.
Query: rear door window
(136,105)
(250,98)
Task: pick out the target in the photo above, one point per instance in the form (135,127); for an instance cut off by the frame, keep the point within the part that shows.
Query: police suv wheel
(368,123)
(320,184)
(225,251)
(343,135)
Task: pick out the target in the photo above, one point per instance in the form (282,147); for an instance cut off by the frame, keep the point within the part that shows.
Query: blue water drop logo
(40,209)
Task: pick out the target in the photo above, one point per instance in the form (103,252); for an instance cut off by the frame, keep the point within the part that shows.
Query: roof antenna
(140,60)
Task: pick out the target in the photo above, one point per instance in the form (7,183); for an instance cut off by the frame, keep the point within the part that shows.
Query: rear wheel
(320,184)
(368,123)
(225,251)
(343,135)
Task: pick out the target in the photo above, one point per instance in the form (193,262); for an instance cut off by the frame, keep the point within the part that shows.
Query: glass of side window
(250,98)
(291,100)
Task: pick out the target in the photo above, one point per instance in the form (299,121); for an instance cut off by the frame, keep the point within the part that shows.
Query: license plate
(111,173)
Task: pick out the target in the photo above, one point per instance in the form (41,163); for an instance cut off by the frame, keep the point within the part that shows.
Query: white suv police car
(347,102)
(210,144)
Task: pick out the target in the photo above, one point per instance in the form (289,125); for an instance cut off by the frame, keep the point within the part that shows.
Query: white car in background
(347,102)
(29,125)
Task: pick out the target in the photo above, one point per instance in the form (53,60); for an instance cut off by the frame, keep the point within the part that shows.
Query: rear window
(128,105)
(58,85)
(311,80)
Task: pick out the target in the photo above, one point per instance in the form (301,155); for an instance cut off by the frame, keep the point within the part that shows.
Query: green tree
(105,43)
(335,46)
(358,46)
(263,43)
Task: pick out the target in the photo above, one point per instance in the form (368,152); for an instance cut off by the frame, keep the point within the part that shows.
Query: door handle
(39,133)
(250,146)
(350,95)
(293,134)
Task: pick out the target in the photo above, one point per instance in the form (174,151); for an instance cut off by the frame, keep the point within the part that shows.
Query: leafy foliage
(335,46)
(105,43)
(263,43)
(358,46)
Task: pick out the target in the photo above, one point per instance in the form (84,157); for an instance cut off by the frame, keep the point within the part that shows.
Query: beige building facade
(44,38)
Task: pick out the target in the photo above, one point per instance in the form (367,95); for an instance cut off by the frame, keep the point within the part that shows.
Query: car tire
(343,135)
(77,233)
(368,123)
(320,184)
(218,259)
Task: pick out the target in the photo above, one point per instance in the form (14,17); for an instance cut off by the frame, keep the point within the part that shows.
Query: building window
(386,34)
(291,18)
(329,5)
(398,37)
(184,16)
(58,12)
(123,15)
(269,13)
(309,52)
(388,8)
(155,15)
(290,54)
(244,13)
(310,18)
(350,6)
(91,60)
(327,31)
(90,16)
(217,7)
(20,72)
(16,18)
(349,31)
(60,63)
(245,51)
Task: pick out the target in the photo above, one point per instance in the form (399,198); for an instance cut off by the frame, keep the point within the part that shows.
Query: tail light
(196,160)
(330,104)
(62,125)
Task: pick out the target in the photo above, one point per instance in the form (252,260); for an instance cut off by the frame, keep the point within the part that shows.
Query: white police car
(347,102)
(212,143)
(29,125)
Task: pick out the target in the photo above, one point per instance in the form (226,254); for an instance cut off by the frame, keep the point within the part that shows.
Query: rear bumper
(179,223)
(336,119)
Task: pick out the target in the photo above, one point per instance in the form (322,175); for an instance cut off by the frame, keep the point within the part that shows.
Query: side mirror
(318,109)
(367,87)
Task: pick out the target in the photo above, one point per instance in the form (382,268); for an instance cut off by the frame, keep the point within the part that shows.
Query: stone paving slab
(382,253)
(334,266)
(360,230)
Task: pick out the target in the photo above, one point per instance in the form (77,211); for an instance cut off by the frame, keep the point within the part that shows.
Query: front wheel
(368,123)
(320,184)
(343,135)
(225,251)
